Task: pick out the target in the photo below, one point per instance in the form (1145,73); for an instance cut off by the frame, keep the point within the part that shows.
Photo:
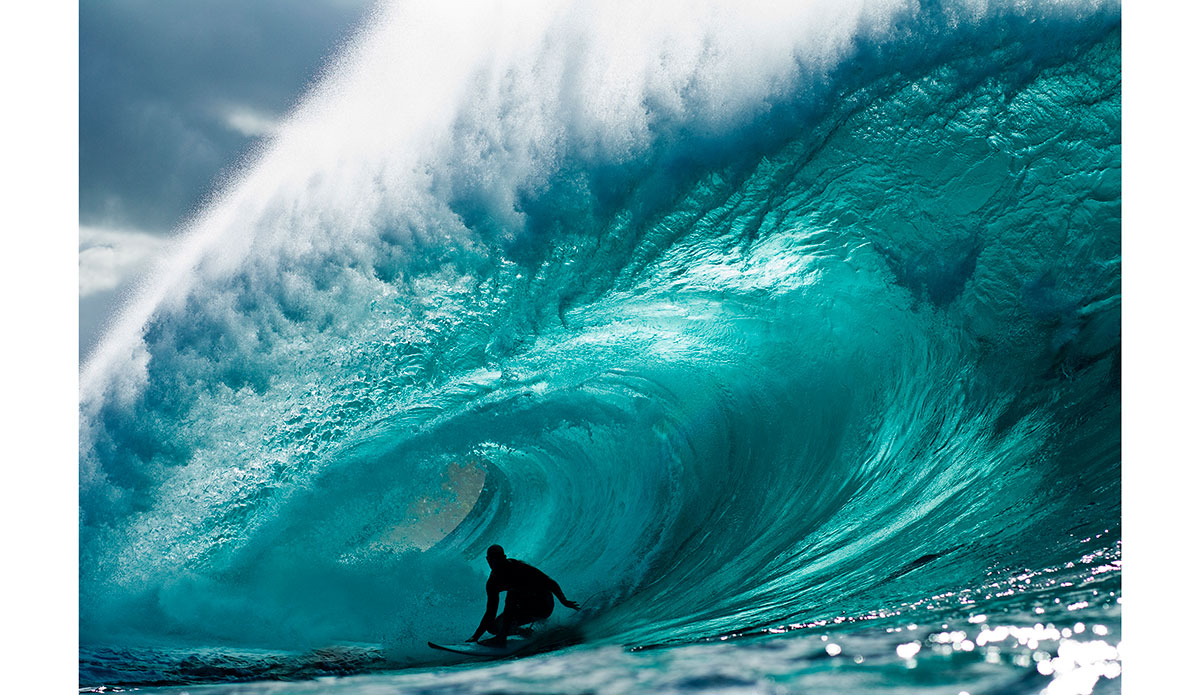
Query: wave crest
(720,332)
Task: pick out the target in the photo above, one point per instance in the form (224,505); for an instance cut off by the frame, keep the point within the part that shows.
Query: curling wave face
(725,320)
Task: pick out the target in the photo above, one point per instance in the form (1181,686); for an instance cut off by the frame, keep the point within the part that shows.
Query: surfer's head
(495,556)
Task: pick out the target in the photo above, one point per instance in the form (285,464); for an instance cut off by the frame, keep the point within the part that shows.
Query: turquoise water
(787,340)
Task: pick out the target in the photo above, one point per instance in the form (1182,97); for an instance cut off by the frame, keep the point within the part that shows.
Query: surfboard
(512,646)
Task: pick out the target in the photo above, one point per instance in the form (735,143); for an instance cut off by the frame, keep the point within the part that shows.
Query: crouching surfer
(530,598)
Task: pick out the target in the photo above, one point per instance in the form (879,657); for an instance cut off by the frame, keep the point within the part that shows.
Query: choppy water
(786,339)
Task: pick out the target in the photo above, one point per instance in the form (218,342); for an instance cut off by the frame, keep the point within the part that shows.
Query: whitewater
(785,336)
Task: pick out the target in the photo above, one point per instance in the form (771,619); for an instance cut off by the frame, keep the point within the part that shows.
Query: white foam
(434,96)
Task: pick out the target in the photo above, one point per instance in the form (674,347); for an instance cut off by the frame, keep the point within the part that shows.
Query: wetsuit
(530,597)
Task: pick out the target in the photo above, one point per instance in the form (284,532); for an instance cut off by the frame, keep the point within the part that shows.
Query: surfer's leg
(512,622)
(523,611)
(543,607)
(494,627)
(519,610)
(534,607)
(500,628)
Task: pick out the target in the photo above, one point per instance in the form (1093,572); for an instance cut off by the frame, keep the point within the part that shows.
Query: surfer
(530,597)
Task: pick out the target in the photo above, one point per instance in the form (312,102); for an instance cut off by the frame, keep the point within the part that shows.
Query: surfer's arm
(558,592)
(493,602)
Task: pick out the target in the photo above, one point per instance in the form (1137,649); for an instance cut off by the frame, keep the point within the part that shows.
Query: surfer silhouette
(530,598)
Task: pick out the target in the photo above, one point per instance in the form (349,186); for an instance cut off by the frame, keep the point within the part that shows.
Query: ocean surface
(786,338)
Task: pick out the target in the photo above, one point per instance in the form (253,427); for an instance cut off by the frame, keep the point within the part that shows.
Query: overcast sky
(170,95)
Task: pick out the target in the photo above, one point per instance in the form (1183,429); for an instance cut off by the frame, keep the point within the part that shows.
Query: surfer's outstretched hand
(571,604)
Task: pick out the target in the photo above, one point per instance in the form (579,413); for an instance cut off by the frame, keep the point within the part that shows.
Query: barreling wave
(723,318)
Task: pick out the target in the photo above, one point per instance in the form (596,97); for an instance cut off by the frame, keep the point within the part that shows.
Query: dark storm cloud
(159,80)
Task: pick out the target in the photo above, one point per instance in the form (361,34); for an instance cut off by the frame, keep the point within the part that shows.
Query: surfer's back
(520,577)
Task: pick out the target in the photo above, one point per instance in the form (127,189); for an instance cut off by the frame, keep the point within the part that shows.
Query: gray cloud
(108,257)
(172,93)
